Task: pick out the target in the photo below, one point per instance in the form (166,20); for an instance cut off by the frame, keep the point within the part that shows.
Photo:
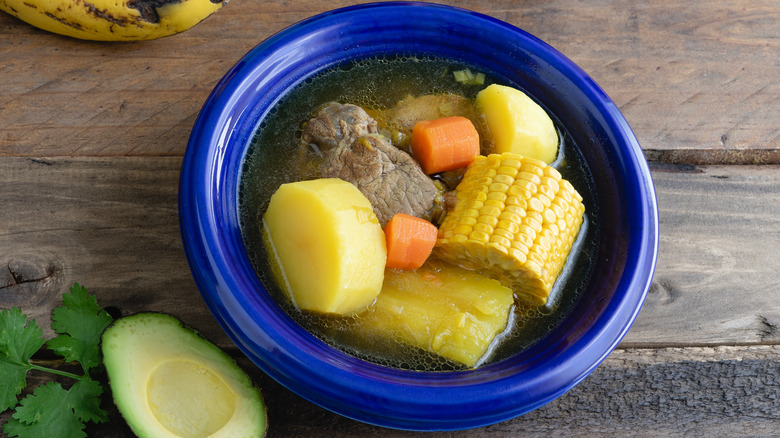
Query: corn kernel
(517,201)
(498,187)
(504,179)
(531,177)
(533,222)
(535,204)
(508,225)
(570,221)
(504,233)
(493,161)
(552,183)
(546,191)
(544,199)
(483,181)
(494,203)
(469,221)
(520,210)
(533,168)
(472,212)
(510,216)
(557,211)
(534,267)
(496,254)
(500,240)
(479,236)
(464,230)
(513,163)
(526,235)
(518,255)
(508,170)
(521,246)
(552,173)
(549,217)
(554,231)
(496,196)
(523,188)
(561,225)
(483,227)
(543,243)
(489,211)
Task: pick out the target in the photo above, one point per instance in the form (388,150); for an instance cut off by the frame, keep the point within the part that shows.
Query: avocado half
(168,381)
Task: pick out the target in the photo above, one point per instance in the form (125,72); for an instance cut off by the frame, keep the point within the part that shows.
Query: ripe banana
(112,20)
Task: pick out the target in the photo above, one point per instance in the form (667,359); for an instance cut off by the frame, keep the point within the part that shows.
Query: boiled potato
(328,245)
(447,310)
(517,123)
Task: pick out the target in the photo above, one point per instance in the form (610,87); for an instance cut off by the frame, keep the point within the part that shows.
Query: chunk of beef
(337,124)
(390,178)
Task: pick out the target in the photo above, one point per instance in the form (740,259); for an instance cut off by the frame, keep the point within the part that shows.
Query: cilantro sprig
(52,410)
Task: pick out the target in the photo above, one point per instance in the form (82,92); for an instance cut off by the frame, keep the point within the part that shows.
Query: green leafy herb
(467,77)
(52,410)
(81,322)
(55,412)
(19,340)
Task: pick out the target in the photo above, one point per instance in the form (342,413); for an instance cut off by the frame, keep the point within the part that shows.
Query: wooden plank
(109,224)
(112,225)
(724,391)
(717,279)
(687,78)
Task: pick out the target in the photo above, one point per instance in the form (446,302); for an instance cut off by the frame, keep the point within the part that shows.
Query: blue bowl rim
(352,387)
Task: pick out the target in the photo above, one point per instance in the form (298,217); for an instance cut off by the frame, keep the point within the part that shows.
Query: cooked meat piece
(335,124)
(387,176)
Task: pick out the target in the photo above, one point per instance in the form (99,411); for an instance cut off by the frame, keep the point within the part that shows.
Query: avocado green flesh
(168,381)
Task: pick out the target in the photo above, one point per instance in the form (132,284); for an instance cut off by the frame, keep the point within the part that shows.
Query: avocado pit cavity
(189,399)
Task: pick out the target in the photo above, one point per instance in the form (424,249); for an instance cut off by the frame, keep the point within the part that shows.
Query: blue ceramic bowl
(209,216)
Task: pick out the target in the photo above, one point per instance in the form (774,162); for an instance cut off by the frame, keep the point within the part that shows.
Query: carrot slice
(444,144)
(410,241)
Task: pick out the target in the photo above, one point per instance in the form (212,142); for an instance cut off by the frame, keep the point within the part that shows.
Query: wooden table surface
(92,137)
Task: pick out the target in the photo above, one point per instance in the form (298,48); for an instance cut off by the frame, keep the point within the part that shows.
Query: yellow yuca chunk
(328,245)
(515,220)
(517,123)
(446,310)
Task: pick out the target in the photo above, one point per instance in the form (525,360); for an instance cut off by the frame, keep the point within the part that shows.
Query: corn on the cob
(516,220)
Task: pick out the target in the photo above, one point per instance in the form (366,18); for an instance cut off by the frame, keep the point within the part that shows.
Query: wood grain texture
(112,225)
(92,136)
(712,392)
(109,224)
(703,77)
(722,392)
(717,280)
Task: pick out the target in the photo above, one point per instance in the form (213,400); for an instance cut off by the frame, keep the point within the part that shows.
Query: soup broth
(275,157)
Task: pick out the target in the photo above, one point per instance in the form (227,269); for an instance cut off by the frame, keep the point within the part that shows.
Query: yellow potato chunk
(327,244)
(517,123)
(447,310)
